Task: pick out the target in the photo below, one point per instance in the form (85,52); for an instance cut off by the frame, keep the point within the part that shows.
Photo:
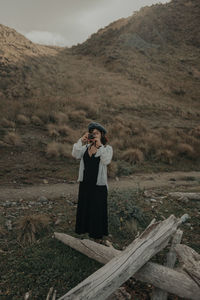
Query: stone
(8,224)
(43,199)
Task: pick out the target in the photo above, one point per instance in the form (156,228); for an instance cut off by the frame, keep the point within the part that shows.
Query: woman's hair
(104,139)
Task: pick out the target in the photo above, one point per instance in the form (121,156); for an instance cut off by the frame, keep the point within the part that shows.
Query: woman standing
(95,155)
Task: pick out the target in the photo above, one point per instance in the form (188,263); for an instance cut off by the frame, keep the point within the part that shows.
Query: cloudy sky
(65,22)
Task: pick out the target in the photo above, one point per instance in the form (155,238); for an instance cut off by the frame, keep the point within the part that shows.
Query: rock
(32,203)
(172,179)
(43,199)
(153,200)
(7,204)
(45,181)
(8,224)
(58,221)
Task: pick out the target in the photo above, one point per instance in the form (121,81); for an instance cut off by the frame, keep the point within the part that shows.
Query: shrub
(36,120)
(66,150)
(7,123)
(52,130)
(55,149)
(133,156)
(29,227)
(165,156)
(65,130)
(185,150)
(112,169)
(195,132)
(21,119)
(124,168)
(60,117)
(12,138)
(77,116)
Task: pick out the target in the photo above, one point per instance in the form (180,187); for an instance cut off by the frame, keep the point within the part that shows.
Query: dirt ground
(141,181)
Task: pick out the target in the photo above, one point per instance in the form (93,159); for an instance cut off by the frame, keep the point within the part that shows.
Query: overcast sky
(65,22)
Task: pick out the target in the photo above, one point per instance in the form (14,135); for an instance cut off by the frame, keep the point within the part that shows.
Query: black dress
(91,215)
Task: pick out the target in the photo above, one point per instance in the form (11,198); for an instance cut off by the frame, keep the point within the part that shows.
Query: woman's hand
(97,142)
(92,150)
(84,138)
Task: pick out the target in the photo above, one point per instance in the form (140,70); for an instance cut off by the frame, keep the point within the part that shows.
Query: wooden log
(98,252)
(49,293)
(159,294)
(107,279)
(182,195)
(190,261)
(159,276)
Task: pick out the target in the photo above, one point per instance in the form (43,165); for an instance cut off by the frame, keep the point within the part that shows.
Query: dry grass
(21,119)
(112,169)
(53,149)
(3,145)
(66,131)
(12,138)
(7,123)
(185,150)
(195,132)
(90,108)
(52,130)
(36,120)
(2,231)
(133,156)
(56,150)
(77,116)
(131,227)
(60,117)
(29,227)
(165,156)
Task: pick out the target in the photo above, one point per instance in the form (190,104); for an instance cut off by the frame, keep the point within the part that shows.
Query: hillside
(139,76)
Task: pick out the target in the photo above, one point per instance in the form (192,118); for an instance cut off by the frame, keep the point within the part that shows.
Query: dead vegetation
(13,139)
(29,227)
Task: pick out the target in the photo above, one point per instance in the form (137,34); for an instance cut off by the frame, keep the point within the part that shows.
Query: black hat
(98,126)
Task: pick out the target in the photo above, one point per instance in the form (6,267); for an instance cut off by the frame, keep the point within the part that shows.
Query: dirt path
(144,181)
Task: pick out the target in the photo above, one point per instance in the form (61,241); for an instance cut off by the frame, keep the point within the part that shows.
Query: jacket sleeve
(78,149)
(105,153)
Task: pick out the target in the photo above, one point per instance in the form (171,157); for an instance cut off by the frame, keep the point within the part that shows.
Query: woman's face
(96,133)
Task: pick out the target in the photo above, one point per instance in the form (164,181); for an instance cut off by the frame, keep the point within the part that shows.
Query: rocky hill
(140,76)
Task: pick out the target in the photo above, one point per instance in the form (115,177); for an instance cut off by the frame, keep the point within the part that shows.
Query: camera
(91,136)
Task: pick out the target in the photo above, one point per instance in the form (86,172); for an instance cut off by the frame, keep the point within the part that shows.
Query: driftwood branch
(190,261)
(183,196)
(159,294)
(119,269)
(155,274)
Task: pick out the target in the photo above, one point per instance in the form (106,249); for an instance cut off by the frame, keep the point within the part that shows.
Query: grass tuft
(29,227)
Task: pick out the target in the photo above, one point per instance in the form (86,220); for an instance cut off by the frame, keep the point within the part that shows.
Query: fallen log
(159,276)
(182,195)
(107,279)
(159,294)
(190,261)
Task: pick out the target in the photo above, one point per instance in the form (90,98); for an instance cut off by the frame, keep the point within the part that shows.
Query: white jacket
(105,153)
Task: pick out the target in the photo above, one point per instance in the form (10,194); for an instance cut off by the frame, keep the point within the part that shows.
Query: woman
(95,155)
